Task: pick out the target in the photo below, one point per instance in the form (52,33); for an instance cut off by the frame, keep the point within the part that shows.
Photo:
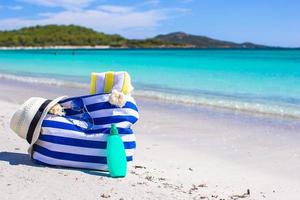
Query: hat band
(35,120)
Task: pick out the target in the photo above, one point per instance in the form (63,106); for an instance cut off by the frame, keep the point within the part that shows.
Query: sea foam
(206,101)
(45,81)
(230,104)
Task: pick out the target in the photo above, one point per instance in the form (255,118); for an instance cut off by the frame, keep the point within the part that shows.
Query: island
(73,37)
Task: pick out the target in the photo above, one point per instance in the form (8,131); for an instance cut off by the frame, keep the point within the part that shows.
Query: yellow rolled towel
(105,82)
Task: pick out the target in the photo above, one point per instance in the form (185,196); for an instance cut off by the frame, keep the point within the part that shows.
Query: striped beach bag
(65,141)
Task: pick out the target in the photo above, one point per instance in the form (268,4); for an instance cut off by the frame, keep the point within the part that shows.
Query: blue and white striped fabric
(64,142)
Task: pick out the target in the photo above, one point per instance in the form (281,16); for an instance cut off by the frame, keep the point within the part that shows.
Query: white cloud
(11,7)
(115,9)
(107,18)
(152,2)
(67,4)
(15,7)
(129,21)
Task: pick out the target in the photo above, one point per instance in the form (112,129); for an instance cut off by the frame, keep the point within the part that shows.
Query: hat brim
(38,127)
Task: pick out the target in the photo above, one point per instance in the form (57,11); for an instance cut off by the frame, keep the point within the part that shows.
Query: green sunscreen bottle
(116,156)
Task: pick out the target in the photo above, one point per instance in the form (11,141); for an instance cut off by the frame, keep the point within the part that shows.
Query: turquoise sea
(260,81)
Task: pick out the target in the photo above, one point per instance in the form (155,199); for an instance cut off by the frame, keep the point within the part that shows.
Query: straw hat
(27,120)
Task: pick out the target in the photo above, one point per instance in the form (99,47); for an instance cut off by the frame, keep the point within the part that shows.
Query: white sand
(56,47)
(185,153)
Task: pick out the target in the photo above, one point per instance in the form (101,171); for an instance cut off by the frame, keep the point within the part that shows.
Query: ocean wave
(229,104)
(45,81)
(241,105)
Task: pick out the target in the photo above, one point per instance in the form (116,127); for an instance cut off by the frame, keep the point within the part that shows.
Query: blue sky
(271,22)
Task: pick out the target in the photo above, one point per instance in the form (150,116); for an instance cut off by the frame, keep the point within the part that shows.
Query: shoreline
(217,155)
(183,100)
(107,47)
(97,47)
(55,47)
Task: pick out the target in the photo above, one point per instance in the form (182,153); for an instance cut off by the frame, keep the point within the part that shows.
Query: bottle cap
(114,130)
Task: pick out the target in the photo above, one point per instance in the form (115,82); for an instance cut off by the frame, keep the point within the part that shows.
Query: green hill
(60,35)
(202,41)
(54,35)
(72,35)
